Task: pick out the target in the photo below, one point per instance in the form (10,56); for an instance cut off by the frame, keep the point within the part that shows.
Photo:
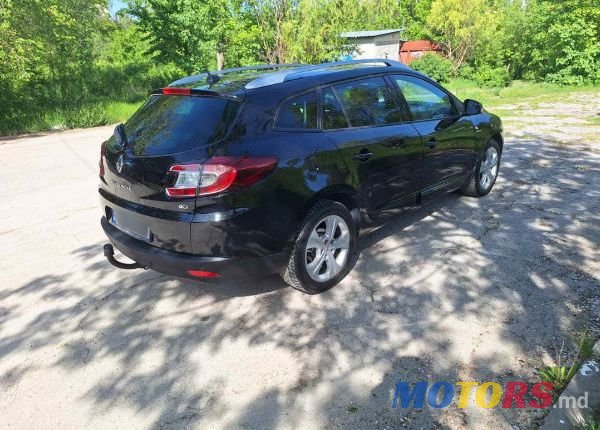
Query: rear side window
(425,100)
(333,114)
(298,113)
(369,102)
(170,124)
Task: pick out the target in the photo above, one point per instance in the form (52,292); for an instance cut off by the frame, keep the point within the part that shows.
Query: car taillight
(102,160)
(219,174)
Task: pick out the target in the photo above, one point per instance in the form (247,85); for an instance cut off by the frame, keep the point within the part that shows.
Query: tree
(562,41)
(460,26)
(46,53)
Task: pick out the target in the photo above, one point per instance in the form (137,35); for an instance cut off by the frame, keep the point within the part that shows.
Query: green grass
(560,375)
(88,115)
(518,92)
(594,120)
(119,111)
(594,422)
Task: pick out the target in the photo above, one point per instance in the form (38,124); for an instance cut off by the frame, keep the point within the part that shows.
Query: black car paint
(263,220)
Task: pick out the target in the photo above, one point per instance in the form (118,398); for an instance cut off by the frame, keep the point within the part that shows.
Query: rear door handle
(431,144)
(362,156)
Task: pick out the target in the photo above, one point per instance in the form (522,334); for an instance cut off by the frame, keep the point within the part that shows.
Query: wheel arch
(498,138)
(344,194)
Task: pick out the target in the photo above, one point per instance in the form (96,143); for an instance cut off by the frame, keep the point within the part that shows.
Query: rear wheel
(324,251)
(486,172)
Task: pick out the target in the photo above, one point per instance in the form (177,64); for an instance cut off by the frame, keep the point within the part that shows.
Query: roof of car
(235,81)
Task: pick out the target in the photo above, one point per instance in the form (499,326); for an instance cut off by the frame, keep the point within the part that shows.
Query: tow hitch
(109,253)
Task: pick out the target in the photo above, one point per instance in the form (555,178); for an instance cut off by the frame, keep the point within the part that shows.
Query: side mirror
(472,107)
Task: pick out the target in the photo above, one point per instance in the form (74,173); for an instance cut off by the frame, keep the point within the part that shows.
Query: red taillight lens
(219,174)
(102,160)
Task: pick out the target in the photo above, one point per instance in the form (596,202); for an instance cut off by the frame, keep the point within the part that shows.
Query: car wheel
(325,249)
(484,176)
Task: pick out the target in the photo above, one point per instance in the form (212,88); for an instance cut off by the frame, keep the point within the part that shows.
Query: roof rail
(288,75)
(385,61)
(197,77)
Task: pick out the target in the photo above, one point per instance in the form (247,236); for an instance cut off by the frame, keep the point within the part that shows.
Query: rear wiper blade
(120,136)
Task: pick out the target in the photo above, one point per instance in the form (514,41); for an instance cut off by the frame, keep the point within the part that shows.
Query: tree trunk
(220,59)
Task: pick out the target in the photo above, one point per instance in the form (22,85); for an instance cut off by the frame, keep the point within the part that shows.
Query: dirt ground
(461,289)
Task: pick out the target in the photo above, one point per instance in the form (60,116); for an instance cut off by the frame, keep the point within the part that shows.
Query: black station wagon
(273,169)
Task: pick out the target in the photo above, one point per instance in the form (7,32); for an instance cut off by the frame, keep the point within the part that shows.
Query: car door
(378,144)
(448,137)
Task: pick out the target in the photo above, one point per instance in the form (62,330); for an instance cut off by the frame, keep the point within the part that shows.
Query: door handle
(363,155)
(431,144)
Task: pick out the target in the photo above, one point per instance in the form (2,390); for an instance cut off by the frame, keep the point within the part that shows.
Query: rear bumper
(178,264)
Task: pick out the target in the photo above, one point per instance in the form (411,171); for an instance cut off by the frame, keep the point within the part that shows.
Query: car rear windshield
(170,124)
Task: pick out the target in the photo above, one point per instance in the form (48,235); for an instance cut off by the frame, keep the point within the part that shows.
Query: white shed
(374,43)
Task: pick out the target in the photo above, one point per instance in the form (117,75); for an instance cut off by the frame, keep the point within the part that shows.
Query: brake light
(102,160)
(219,174)
(175,91)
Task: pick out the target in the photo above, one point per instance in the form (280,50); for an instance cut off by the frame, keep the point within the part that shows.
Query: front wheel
(325,249)
(485,174)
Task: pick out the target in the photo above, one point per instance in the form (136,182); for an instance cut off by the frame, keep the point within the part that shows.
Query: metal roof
(368,33)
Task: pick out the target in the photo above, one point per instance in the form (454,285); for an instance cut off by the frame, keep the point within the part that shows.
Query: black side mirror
(473,107)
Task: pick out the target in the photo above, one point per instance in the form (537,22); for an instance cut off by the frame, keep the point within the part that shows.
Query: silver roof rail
(197,77)
(288,75)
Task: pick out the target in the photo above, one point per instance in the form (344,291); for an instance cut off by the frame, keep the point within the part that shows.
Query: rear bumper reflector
(203,274)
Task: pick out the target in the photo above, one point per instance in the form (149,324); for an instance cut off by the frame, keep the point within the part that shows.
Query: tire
(328,265)
(476,185)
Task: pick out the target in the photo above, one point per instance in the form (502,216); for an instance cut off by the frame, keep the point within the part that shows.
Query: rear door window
(369,102)
(425,100)
(298,113)
(333,114)
(171,124)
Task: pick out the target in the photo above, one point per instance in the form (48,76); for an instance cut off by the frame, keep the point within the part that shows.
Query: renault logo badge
(120,164)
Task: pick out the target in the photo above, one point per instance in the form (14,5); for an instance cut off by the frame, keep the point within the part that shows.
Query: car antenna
(212,79)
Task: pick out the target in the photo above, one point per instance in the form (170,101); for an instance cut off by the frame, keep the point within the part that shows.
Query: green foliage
(592,424)
(559,376)
(497,77)
(434,66)
(563,42)
(62,61)
(466,71)
(120,111)
(462,26)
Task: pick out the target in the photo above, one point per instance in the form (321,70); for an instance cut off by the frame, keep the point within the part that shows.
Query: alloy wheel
(327,248)
(488,169)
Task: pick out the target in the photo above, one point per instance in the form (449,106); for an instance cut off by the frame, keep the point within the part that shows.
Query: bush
(466,71)
(497,77)
(434,66)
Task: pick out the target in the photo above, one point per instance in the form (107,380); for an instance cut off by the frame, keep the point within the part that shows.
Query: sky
(116,5)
